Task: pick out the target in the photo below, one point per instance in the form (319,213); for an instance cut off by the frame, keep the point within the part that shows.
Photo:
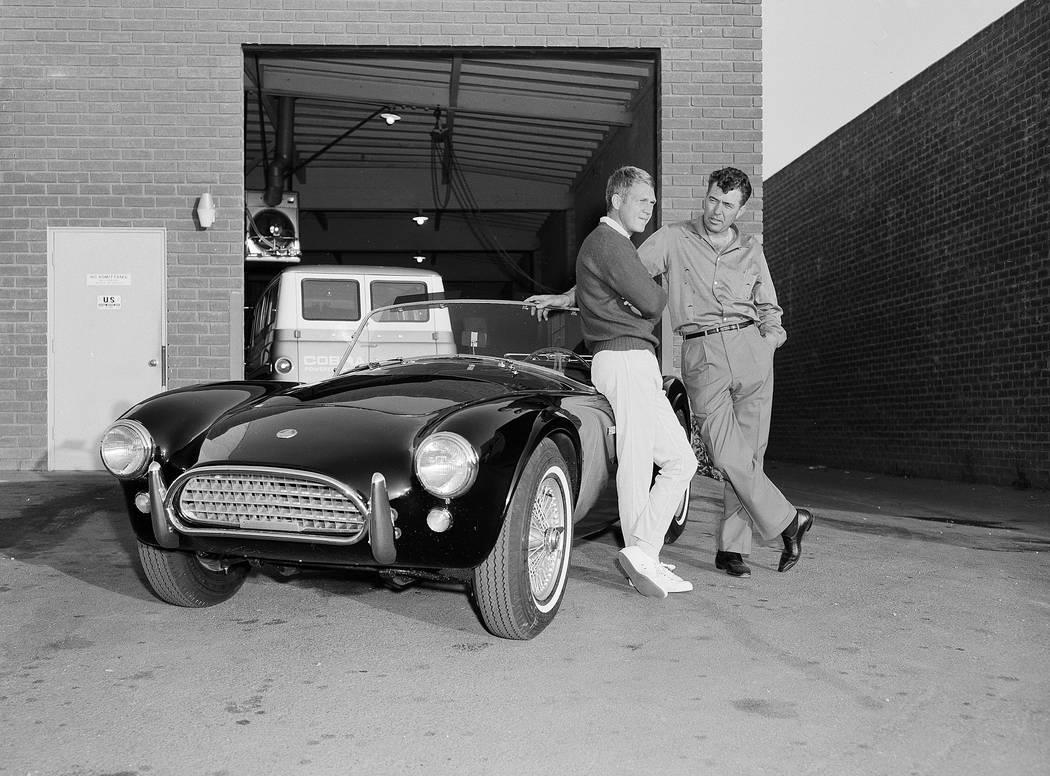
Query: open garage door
(486,165)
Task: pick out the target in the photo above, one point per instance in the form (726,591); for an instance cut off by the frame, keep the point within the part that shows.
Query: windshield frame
(439,304)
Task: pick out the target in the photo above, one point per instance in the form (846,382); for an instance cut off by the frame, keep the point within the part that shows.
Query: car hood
(367,421)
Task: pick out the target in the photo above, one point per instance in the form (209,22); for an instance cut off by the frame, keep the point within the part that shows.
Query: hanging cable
(339,139)
(479,227)
(440,145)
(443,157)
(262,117)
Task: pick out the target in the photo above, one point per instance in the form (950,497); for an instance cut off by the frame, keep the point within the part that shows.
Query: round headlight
(446,464)
(283,366)
(127,449)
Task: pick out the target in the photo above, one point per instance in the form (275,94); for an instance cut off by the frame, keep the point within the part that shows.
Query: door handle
(163,362)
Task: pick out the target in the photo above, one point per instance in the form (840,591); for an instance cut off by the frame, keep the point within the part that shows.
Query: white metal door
(106,334)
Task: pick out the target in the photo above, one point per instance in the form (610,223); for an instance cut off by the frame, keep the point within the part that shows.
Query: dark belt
(727,327)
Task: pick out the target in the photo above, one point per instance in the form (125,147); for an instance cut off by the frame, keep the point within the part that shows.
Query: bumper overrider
(270,503)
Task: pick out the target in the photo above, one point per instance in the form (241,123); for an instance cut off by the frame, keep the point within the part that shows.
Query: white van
(307,314)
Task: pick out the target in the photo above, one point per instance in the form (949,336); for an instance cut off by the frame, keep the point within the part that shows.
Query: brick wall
(911,254)
(120,113)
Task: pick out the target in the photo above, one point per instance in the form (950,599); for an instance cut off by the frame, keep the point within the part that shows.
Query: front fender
(505,436)
(178,419)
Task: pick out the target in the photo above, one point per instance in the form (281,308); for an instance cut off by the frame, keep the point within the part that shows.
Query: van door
(330,312)
(258,364)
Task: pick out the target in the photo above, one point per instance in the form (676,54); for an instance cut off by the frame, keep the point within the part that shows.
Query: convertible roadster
(456,441)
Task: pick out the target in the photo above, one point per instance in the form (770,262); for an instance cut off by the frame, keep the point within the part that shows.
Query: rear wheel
(520,586)
(681,515)
(181,579)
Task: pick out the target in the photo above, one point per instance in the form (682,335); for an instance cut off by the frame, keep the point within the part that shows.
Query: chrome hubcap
(552,539)
(547,536)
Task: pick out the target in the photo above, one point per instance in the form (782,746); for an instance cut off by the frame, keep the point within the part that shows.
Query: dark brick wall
(911,252)
(119,113)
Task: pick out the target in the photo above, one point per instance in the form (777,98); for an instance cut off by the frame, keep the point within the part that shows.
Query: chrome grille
(268,501)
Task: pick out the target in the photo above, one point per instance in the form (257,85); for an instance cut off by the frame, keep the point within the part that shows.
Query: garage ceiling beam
(387,232)
(279,80)
(409,189)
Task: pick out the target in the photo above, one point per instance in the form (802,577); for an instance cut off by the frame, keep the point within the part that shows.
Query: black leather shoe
(732,564)
(792,537)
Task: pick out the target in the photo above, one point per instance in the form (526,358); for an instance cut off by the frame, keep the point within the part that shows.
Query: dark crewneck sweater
(608,273)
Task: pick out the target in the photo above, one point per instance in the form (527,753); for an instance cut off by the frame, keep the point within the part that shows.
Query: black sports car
(457,440)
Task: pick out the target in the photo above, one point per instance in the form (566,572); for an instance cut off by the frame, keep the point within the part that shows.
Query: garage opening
(484,165)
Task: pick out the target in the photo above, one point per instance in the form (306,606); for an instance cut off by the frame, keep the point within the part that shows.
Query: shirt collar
(701,230)
(617,226)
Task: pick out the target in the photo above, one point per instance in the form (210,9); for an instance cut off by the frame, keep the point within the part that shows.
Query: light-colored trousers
(729,379)
(647,433)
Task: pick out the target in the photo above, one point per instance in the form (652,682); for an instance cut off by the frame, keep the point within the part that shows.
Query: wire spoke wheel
(520,586)
(547,535)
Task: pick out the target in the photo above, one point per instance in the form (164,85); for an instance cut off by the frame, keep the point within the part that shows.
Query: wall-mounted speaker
(271,231)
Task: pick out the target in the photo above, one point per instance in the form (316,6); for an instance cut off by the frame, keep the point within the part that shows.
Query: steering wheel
(556,358)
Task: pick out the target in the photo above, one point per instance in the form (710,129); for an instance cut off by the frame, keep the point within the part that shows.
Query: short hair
(622,179)
(729,178)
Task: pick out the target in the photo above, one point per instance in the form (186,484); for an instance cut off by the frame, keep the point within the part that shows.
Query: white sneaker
(643,572)
(670,581)
(668,566)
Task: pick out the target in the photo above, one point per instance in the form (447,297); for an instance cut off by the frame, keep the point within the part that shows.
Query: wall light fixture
(206,210)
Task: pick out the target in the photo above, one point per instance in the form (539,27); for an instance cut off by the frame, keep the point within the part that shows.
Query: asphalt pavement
(910,639)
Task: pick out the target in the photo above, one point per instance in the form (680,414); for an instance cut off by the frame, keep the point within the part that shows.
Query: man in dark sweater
(620,304)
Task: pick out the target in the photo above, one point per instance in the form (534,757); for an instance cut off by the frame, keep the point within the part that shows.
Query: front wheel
(181,579)
(520,586)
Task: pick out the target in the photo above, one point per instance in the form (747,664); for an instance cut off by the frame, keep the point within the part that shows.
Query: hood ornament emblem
(286,433)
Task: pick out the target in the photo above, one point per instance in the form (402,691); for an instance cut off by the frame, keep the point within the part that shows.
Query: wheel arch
(559,428)
(570,450)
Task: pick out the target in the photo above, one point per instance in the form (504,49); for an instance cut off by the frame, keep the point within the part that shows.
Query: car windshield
(471,327)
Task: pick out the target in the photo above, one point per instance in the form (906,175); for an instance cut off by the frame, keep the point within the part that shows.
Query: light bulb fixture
(389,117)
(206,210)
(420,258)
(419,218)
